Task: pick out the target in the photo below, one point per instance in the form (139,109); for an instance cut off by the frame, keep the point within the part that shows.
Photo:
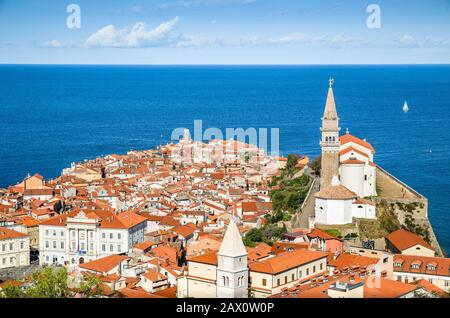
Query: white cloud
(409,41)
(341,40)
(301,38)
(137,36)
(57,44)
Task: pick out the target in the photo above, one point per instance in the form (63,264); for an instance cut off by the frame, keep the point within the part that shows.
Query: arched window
(326,138)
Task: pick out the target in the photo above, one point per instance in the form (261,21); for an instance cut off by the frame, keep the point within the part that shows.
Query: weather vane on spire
(331,81)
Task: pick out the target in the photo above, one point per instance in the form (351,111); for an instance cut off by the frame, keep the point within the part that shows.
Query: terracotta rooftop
(6,234)
(207,258)
(350,138)
(336,192)
(286,261)
(104,264)
(403,240)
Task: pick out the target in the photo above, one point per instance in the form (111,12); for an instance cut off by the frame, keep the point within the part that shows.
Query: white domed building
(334,204)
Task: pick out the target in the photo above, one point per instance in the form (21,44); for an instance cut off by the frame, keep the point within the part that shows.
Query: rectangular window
(54,232)
(111,248)
(91,246)
(118,248)
(62,245)
(285,279)
(22,245)
(11,246)
(264,282)
(293,277)
(278,282)
(307,271)
(119,236)
(46,244)
(103,248)
(110,235)
(54,244)
(300,274)
(321,266)
(103,235)
(314,268)
(46,232)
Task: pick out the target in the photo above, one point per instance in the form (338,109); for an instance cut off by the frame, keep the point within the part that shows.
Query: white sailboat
(405,107)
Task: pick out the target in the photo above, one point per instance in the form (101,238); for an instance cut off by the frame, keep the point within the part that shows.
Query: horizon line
(225,64)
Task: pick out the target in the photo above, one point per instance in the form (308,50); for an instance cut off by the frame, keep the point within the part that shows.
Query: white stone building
(356,170)
(83,236)
(14,248)
(336,204)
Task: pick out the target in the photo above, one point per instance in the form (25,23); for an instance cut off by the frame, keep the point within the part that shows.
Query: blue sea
(51,116)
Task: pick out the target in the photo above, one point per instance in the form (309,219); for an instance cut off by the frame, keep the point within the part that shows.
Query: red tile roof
(286,261)
(350,138)
(207,258)
(403,240)
(6,234)
(104,264)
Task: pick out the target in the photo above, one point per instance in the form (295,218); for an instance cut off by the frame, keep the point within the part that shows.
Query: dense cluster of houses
(169,222)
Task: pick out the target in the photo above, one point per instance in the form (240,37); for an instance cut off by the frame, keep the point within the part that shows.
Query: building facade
(85,236)
(14,248)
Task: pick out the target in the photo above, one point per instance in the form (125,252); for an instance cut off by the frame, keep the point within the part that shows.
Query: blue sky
(225,32)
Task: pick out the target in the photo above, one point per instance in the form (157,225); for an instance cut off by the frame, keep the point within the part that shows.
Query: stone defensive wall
(407,203)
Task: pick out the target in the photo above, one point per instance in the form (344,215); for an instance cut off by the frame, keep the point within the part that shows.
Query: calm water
(52,116)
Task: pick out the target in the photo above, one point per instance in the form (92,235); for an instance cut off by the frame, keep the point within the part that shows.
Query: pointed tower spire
(330,139)
(330,118)
(232,244)
(232,271)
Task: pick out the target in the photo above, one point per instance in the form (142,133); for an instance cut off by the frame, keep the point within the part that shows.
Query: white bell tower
(232,271)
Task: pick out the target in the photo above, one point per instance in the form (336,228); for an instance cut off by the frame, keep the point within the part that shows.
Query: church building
(222,274)
(348,173)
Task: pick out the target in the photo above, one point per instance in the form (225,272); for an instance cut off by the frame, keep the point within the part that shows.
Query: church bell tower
(232,270)
(330,140)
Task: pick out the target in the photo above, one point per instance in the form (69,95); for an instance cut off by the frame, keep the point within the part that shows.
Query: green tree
(12,291)
(91,286)
(52,283)
(49,283)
